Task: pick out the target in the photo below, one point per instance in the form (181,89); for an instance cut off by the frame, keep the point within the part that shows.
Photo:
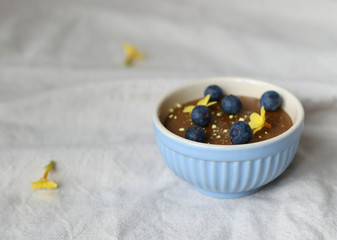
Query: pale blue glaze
(228,171)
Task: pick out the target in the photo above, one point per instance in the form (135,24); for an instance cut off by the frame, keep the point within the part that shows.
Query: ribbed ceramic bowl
(228,171)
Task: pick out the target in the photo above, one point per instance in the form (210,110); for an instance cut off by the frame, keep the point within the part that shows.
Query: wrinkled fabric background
(65,95)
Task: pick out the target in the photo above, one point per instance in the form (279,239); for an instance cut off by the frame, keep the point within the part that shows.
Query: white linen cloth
(66,96)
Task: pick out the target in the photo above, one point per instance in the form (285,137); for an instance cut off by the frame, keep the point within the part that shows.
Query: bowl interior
(235,86)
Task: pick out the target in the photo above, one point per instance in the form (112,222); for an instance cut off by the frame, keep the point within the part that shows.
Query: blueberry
(215,91)
(231,104)
(196,133)
(201,115)
(271,101)
(240,132)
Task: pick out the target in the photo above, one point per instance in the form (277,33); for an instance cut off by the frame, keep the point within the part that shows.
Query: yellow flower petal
(210,104)
(188,109)
(255,120)
(43,183)
(132,53)
(257,129)
(205,100)
(263,114)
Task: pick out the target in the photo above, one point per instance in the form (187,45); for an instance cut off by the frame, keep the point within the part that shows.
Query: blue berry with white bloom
(240,132)
(196,133)
(215,91)
(201,115)
(271,101)
(231,104)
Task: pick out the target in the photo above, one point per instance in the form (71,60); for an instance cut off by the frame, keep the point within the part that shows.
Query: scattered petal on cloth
(132,54)
(43,182)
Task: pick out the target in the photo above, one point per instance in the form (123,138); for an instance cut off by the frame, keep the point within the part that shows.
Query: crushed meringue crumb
(171,116)
(179,105)
(175,117)
(231,116)
(214,126)
(171,110)
(181,129)
(218,114)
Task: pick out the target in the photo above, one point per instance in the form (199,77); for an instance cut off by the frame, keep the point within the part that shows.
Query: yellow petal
(188,109)
(51,184)
(128,49)
(255,120)
(257,129)
(205,100)
(43,183)
(210,104)
(132,51)
(132,54)
(263,114)
(253,125)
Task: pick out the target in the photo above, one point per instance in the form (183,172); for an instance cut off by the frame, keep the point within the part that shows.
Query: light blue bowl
(228,171)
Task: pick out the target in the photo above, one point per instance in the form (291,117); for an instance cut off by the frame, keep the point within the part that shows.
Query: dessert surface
(217,131)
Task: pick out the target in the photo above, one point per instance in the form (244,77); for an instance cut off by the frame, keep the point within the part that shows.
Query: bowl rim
(297,124)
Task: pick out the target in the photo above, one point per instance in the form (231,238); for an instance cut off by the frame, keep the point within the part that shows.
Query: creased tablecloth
(65,95)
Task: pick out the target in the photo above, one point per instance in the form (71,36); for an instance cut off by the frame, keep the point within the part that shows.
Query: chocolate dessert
(218,128)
